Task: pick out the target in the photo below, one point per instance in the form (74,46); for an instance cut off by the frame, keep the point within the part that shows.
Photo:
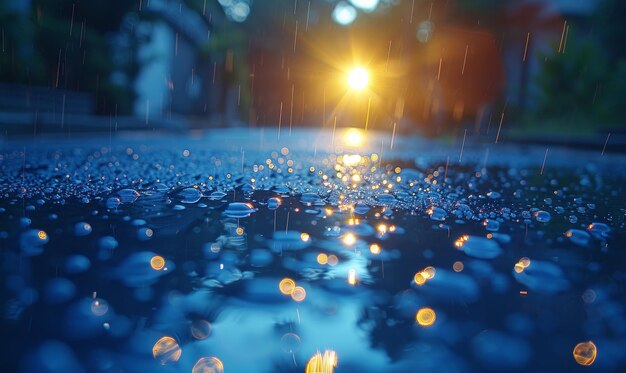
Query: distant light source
(344,13)
(358,78)
(365,5)
(353,138)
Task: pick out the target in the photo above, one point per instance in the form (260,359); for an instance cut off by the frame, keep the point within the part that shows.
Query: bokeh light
(585,353)
(325,363)
(298,294)
(166,351)
(425,316)
(208,365)
(358,78)
(157,263)
(287,286)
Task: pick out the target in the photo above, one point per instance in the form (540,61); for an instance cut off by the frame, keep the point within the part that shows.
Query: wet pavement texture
(238,251)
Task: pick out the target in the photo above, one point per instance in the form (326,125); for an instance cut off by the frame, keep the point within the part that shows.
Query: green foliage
(569,82)
(63,44)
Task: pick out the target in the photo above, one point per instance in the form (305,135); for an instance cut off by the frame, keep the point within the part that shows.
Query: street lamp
(358,78)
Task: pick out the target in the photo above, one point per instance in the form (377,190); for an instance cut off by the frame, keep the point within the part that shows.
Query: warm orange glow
(166,350)
(42,235)
(460,241)
(425,316)
(382,228)
(419,278)
(157,263)
(429,272)
(349,239)
(239,231)
(208,365)
(305,237)
(374,249)
(322,258)
(585,353)
(358,78)
(525,262)
(322,363)
(287,286)
(352,277)
(298,294)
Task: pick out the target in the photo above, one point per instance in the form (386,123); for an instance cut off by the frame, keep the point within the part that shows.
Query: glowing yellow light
(305,237)
(358,78)
(382,228)
(353,137)
(419,278)
(349,239)
(322,258)
(460,241)
(298,294)
(525,262)
(519,268)
(166,351)
(157,262)
(425,316)
(287,286)
(352,159)
(322,363)
(429,272)
(352,277)
(42,235)
(585,353)
(208,365)
(375,249)
(329,211)
(239,231)
(458,266)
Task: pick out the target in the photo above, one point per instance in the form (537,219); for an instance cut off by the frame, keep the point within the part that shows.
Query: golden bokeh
(325,363)
(166,351)
(298,294)
(585,353)
(419,278)
(322,258)
(429,272)
(349,239)
(352,276)
(208,365)
(358,78)
(375,249)
(425,316)
(157,263)
(287,286)
(42,235)
(458,266)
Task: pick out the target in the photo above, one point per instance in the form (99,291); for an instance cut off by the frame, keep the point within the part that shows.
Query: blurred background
(436,67)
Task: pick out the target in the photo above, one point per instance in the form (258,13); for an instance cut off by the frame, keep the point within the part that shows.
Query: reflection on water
(315,262)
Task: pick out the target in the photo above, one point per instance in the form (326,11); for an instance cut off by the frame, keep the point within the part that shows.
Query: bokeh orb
(585,353)
(208,365)
(166,351)
(425,316)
